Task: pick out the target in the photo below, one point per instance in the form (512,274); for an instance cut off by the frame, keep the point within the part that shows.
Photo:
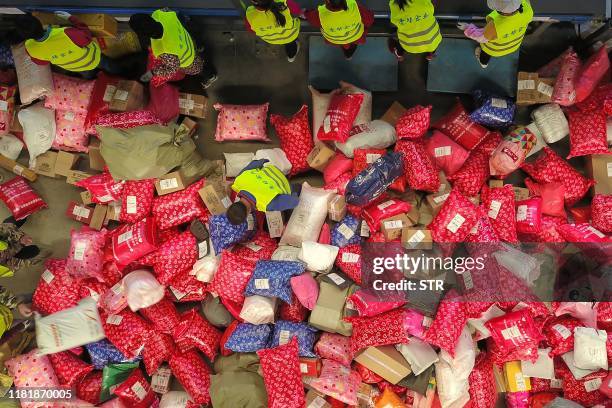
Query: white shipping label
(511,332)
(95,295)
(596,232)
(385,205)
(416,237)
(592,385)
(69,116)
(499,103)
(526,84)
(178,294)
(521,213)
(556,383)
(139,390)
(47,276)
(520,382)
(327,124)
(226,201)
(202,249)
(349,257)
(130,204)
(18,170)
(253,246)
(467,280)
(440,198)
(127,235)
(318,402)
(562,330)
(167,184)
(117,289)
(456,223)
(372,157)
(79,250)
(545,89)
(262,283)
(284,336)
(80,212)
(115,320)
(494,209)
(393,224)
(4,106)
(337,279)
(365,229)
(186,104)
(106,198)
(250,222)
(275,223)
(109,92)
(609,167)
(427,321)
(346,232)
(442,151)
(121,94)
(303,368)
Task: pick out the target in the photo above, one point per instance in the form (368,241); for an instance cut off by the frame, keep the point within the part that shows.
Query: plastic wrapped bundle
(493,111)
(551,122)
(374,180)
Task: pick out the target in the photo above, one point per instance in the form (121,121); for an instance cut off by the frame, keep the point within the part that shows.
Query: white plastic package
(418,354)
(38,125)
(590,348)
(142,289)
(276,157)
(35,81)
(365,111)
(540,142)
(174,399)
(577,372)
(235,162)
(69,328)
(452,373)
(258,309)
(205,268)
(320,103)
(308,217)
(543,367)
(519,263)
(10,146)
(286,253)
(318,257)
(551,121)
(376,134)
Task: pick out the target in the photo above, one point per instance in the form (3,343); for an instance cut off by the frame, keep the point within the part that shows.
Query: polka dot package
(455,219)
(271,279)
(338,381)
(282,376)
(241,122)
(414,122)
(193,374)
(70,94)
(136,200)
(493,111)
(31,370)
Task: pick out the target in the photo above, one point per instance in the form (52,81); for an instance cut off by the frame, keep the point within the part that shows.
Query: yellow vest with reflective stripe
(341,27)
(265,27)
(263,184)
(175,40)
(6,319)
(417,28)
(510,31)
(59,50)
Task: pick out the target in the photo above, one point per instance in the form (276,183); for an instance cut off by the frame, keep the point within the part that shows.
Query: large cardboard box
(385,361)
(129,96)
(96,161)
(45,164)
(100,25)
(320,156)
(65,162)
(170,183)
(392,115)
(193,105)
(599,168)
(417,238)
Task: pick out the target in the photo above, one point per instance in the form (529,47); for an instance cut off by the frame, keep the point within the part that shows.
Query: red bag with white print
(472,175)
(483,231)
(362,158)
(458,126)
(368,304)
(135,391)
(68,368)
(136,200)
(588,133)
(193,374)
(92,287)
(420,170)
(89,388)
(349,262)
(500,207)
(57,289)
(515,331)
(185,287)
(20,198)
(193,331)
(373,214)
(126,330)
(293,312)
(552,196)
(86,255)
(548,231)
(455,219)
(232,277)
(175,256)
(295,138)
(447,154)
(413,123)
(529,215)
(341,113)
(380,330)
(280,368)
(163,315)
(158,347)
(339,184)
(483,391)
(559,333)
(583,232)
(601,212)
(132,242)
(448,324)
(180,207)
(604,316)
(260,247)
(336,167)
(102,94)
(586,390)
(102,187)
(564,92)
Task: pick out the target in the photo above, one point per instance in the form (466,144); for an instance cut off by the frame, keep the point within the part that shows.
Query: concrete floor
(252,72)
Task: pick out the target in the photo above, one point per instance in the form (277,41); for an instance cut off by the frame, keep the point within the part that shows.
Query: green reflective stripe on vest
(341,27)
(263,184)
(60,50)
(265,26)
(510,31)
(175,40)
(417,28)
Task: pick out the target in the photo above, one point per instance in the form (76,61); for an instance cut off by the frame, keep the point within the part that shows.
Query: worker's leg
(349,50)
(483,57)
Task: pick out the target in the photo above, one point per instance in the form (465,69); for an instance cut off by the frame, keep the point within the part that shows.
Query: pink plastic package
(564,92)
(114,300)
(70,131)
(591,73)
(341,114)
(131,242)
(368,304)
(420,170)
(334,347)
(583,232)
(415,323)
(511,152)
(588,133)
(86,256)
(414,123)
(374,213)
(306,288)
(455,219)
(241,122)
(601,212)
(338,381)
(280,368)
(339,165)
(448,324)
(448,155)
(20,198)
(136,200)
(102,187)
(31,370)
(529,215)
(70,94)
(516,331)
(500,207)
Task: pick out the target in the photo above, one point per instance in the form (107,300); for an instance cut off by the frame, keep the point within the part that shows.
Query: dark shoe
(348,52)
(291,58)
(477,53)
(28,252)
(430,56)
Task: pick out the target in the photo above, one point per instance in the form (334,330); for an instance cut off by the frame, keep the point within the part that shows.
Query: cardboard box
(435,202)
(275,222)
(65,162)
(425,214)
(100,25)
(79,212)
(97,218)
(193,105)
(392,227)
(494,183)
(74,176)
(215,197)
(16,168)
(336,209)
(15,124)
(129,96)
(531,89)
(96,161)
(86,197)
(314,399)
(385,361)
(365,396)
(122,44)
(413,215)
(188,126)
(520,193)
(45,164)
(329,309)
(392,115)
(113,211)
(515,380)
(310,366)
(599,168)
(170,183)
(416,238)
(320,156)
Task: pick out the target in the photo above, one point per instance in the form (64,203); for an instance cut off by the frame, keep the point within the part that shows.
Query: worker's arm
(367,16)
(313,17)
(248,25)
(79,32)
(489,31)
(294,8)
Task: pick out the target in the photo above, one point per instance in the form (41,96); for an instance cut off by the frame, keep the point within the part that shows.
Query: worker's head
(274,7)
(237,213)
(402,3)
(336,5)
(504,6)
(145,26)
(28,26)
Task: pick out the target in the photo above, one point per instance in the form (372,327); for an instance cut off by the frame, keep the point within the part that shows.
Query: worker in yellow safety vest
(505,29)
(261,186)
(171,46)
(276,22)
(343,23)
(417,28)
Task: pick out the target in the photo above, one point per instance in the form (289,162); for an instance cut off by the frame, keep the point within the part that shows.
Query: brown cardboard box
(100,25)
(413,215)
(74,176)
(129,96)
(336,209)
(16,168)
(314,399)
(320,156)
(170,183)
(113,212)
(392,227)
(425,214)
(15,124)
(494,183)
(45,164)
(599,168)
(215,198)
(86,197)
(520,193)
(416,238)
(96,161)
(79,212)
(328,311)
(189,126)
(531,89)
(98,216)
(435,202)
(276,225)
(385,361)
(65,162)
(192,105)
(392,115)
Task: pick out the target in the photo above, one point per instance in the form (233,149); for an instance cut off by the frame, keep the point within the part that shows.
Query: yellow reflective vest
(341,27)
(6,319)
(265,26)
(59,50)
(510,31)
(417,28)
(175,40)
(263,184)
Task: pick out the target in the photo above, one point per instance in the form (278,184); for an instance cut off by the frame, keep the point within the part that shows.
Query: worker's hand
(462,26)
(25,310)
(64,15)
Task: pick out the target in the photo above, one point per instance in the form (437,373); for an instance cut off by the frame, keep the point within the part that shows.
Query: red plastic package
(413,123)
(511,152)
(158,347)
(500,207)
(334,347)
(89,388)
(127,120)
(339,165)
(86,255)
(57,289)
(484,231)
(586,390)
(552,196)
(459,127)
(367,376)
(559,333)
(341,113)
(580,215)
(591,73)
(601,212)
(582,233)
(175,256)
(515,331)
(548,231)
(136,200)
(483,391)
(126,330)
(260,247)
(163,315)
(101,96)
(180,207)
(367,304)
(135,391)
(339,184)
(293,312)
(373,214)
(20,198)
(231,278)
(604,316)
(280,368)
(193,374)
(362,158)
(185,287)
(455,219)
(549,167)
(588,133)
(349,261)
(380,330)
(295,138)
(102,187)
(448,324)
(529,215)
(68,368)
(564,92)
(92,287)
(447,154)
(164,102)
(193,331)
(420,170)
(131,242)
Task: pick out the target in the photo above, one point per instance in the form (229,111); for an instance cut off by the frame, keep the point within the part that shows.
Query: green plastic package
(113,375)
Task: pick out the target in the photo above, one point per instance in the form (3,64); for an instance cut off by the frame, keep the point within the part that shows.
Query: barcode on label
(372,157)
(79,250)
(109,92)
(226,201)
(304,368)
(346,232)
(117,288)
(318,402)
(416,237)
(187,104)
(521,213)
(562,330)
(592,385)
(115,320)
(520,382)
(69,116)
(262,283)
(337,279)
(253,246)
(499,103)
(526,84)
(124,237)
(556,383)
(349,257)
(511,332)
(284,336)
(609,167)
(80,212)
(167,184)
(365,229)
(467,280)
(440,198)
(545,89)
(47,276)
(442,151)
(139,390)
(202,249)
(456,223)
(130,203)
(494,209)
(393,224)
(121,94)
(385,205)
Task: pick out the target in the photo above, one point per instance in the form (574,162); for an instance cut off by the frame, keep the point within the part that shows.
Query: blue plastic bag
(248,338)
(493,111)
(346,232)
(375,179)
(224,234)
(271,279)
(103,352)
(305,334)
